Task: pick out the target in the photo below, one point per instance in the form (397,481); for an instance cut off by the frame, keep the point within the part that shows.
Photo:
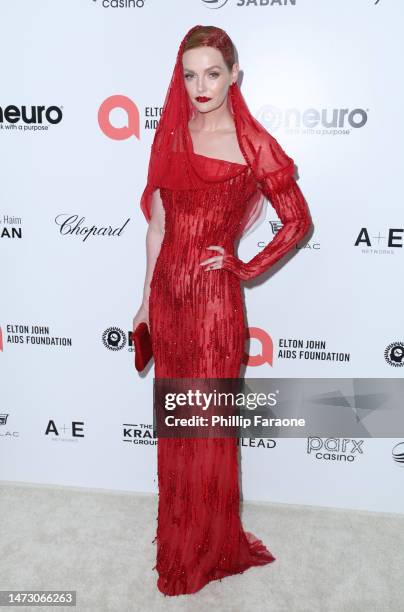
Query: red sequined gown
(198,330)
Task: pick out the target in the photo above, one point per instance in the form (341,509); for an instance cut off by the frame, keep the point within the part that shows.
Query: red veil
(171,165)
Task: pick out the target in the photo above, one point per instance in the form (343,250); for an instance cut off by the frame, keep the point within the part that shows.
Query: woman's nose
(200,85)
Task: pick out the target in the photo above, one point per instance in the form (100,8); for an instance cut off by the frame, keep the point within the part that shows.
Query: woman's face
(206,77)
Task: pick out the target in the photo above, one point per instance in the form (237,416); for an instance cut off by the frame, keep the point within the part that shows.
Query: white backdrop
(324,78)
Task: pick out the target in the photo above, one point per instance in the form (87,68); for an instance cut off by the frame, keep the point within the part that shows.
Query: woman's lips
(202,99)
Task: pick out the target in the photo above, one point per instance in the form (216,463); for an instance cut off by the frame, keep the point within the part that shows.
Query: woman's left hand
(214,263)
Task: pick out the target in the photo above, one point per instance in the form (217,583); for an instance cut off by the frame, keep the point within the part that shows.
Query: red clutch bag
(143,346)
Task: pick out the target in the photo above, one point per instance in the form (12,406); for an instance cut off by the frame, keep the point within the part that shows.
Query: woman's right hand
(141,315)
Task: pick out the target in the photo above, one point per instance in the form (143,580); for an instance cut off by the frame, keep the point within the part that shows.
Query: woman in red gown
(197,205)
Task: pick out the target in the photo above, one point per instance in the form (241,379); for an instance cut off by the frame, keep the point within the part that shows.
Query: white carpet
(99,543)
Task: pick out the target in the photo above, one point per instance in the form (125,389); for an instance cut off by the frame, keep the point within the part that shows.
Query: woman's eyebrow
(210,68)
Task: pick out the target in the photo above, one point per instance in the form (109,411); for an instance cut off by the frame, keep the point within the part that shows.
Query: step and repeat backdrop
(81,90)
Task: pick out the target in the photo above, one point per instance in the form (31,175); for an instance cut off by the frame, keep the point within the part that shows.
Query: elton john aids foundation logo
(266,355)
(119,105)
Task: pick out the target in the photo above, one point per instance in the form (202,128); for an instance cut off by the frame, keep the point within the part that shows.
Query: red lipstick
(202,99)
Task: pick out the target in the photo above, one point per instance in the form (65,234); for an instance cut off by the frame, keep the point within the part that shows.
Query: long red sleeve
(294,214)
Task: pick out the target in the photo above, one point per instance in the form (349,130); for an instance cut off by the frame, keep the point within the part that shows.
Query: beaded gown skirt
(198,330)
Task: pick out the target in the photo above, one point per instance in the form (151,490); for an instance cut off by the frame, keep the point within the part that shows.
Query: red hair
(212,36)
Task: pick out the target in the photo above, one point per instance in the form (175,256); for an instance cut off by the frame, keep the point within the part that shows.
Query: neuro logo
(267,348)
(394,354)
(131,127)
(270,116)
(30,115)
(273,118)
(114,338)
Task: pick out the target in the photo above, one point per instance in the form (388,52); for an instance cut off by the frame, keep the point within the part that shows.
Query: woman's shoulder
(267,155)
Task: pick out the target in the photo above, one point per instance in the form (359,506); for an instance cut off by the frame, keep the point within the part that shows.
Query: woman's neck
(218,119)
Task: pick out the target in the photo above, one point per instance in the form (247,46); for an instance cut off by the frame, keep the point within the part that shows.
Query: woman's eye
(212,74)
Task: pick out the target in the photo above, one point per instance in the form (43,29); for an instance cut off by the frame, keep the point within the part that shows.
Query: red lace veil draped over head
(171,165)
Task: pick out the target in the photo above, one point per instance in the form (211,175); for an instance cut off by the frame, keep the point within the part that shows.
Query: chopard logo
(72,225)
